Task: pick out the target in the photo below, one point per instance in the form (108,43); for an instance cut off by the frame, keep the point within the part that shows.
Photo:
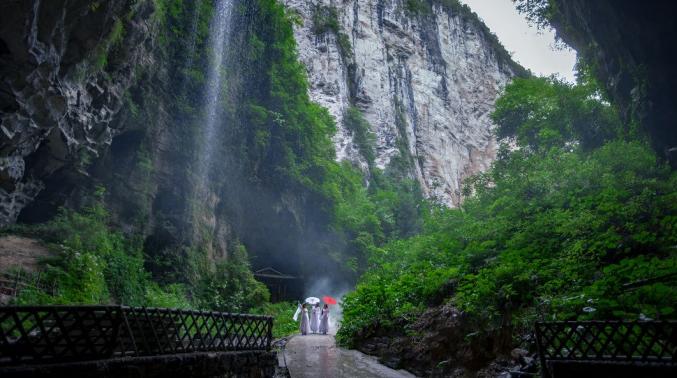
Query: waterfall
(219,40)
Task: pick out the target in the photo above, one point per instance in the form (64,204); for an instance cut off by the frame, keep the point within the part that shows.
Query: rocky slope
(426,78)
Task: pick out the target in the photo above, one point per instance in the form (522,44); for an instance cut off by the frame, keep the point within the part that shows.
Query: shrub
(283,313)
(231,287)
(553,230)
(325,20)
(363,137)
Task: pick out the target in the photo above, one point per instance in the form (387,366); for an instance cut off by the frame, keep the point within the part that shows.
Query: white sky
(532,48)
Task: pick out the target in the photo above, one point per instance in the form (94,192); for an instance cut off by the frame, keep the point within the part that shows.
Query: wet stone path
(318,356)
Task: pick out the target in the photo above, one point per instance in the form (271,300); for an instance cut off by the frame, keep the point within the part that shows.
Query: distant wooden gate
(576,347)
(56,334)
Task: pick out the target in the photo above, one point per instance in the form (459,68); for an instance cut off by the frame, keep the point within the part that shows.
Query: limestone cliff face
(427,78)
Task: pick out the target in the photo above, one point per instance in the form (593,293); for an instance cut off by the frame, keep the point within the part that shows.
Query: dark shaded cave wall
(64,70)
(631,45)
(108,94)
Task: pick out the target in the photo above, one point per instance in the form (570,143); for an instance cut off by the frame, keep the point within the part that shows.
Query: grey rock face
(60,88)
(436,74)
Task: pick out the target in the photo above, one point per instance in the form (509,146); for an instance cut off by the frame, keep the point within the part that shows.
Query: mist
(327,286)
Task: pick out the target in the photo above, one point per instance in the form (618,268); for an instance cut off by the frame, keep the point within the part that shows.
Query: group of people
(317,321)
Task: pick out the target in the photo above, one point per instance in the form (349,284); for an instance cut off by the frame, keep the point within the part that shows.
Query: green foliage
(232,286)
(538,12)
(345,46)
(114,38)
(325,20)
(363,137)
(171,296)
(571,211)
(541,113)
(93,264)
(418,6)
(570,217)
(283,313)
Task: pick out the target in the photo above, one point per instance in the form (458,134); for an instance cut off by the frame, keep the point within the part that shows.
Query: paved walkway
(317,356)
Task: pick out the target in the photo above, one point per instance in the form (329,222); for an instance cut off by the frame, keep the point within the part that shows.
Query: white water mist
(326,286)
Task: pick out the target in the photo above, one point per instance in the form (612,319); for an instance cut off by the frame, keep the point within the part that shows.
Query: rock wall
(92,93)
(59,90)
(630,46)
(427,78)
(444,342)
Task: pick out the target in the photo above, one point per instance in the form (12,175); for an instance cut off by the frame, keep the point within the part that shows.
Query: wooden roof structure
(269,272)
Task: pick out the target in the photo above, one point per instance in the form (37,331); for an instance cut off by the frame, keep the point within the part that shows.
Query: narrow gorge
(238,156)
(133,116)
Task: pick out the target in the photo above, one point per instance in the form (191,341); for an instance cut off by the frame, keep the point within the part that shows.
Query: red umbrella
(329,300)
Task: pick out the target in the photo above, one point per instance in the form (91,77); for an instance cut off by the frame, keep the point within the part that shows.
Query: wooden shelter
(282,286)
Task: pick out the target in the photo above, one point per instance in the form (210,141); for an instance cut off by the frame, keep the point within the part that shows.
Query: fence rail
(11,284)
(650,342)
(54,334)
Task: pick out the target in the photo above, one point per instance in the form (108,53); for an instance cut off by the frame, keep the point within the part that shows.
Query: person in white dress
(304,321)
(324,320)
(315,318)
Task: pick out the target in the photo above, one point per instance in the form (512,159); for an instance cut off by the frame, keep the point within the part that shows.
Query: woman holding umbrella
(324,318)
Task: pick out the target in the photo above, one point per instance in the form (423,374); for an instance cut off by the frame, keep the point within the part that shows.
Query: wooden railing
(636,343)
(55,334)
(11,284)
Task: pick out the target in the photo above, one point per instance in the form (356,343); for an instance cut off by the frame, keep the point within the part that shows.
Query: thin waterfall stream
(218,42)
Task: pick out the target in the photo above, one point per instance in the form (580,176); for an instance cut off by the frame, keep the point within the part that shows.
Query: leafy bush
(232,286)
(94,264)
(171,296)
(554,230)
(364,138)
(283,313)
(325,20)
(418,6)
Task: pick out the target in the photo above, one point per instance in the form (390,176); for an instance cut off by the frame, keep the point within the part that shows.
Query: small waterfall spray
(218,43)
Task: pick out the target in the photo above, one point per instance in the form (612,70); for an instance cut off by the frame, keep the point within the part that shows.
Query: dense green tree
(231,287)
(572,210)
